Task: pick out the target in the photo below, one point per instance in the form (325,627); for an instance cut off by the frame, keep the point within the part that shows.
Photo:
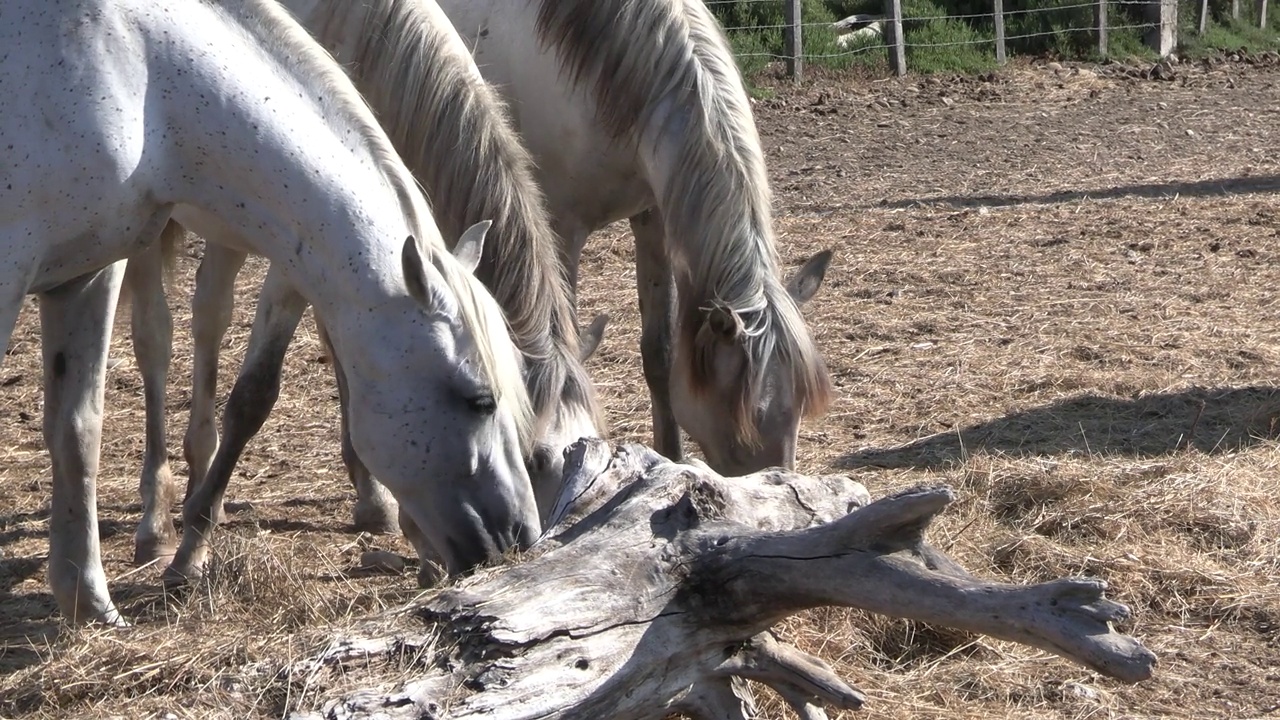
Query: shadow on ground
(1198,188)
(1209,420)
(27,620)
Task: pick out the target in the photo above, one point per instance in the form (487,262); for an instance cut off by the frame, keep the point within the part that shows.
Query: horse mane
(716,203)
(453,131)
(278,34)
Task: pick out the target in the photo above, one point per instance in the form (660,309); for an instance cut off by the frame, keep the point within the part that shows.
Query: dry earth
(1054,288)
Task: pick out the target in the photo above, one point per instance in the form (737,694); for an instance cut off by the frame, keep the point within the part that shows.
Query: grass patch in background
(957,36)
(1223,33)
(936,43)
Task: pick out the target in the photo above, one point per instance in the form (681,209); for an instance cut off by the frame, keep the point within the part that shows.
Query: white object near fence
(874,30)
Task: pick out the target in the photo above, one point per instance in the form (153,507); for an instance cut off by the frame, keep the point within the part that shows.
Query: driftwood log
(655,589)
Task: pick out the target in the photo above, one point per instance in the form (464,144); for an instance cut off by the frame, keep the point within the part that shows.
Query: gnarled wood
(655,590)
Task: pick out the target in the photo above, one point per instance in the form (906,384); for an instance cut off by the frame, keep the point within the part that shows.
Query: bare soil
(1055,288)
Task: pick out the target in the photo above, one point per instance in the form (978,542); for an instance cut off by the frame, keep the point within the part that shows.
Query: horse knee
(250,403)
(199,443)
(655,356)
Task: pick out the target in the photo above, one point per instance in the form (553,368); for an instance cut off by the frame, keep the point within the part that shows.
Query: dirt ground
(1054,289)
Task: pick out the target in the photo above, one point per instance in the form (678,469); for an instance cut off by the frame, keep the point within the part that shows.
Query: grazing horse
(452,132)
(635,109)
(231,119)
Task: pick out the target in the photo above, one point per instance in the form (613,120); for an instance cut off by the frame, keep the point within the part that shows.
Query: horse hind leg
(211,309)
(656,288)
(76,321)
(253,396)
(152,331)
(375,509)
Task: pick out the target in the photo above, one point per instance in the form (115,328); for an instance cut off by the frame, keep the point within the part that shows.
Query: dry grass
(1047,293)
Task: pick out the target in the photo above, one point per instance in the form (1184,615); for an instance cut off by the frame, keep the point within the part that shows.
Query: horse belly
(582,170)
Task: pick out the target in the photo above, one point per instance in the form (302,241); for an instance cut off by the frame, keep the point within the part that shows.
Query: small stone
(382,561)
(1082,692)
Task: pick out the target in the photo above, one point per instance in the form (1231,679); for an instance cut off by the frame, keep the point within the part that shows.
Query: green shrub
(958,35)
(936,43)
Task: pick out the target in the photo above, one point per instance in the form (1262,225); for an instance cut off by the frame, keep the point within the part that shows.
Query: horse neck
(706,169)
(452,132)
(290,176)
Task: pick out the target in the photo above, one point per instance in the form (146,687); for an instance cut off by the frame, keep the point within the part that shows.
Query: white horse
(230,118)
(452,132)
(635,109)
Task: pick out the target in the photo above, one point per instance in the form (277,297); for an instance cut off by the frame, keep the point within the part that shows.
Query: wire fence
(754,26)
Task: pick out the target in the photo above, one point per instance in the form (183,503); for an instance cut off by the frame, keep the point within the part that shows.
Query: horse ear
(723,322)
(589,340)
(469,247)
(415,273)
(805,283)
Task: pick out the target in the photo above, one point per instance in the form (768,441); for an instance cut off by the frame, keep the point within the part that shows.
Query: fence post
(1204,15)
(1262,14)
(897,48)
(1100,17)
(1163,16)
(997,13)
(1235,9)
(793,47)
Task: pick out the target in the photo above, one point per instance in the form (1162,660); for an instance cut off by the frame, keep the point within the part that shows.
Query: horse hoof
(149,550)
(176,579)
(115,620)
(375,520)
(429,575)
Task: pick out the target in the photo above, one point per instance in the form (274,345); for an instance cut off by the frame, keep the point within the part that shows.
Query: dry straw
(1053,289)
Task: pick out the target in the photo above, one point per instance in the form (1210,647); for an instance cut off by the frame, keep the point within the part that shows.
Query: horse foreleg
(430,564)
(211,309)
(573,236)
(75,325)
(152,330)
(254,394)
(375,509)
(656,287)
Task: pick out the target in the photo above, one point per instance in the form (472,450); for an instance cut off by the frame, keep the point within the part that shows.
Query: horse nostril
(540,461)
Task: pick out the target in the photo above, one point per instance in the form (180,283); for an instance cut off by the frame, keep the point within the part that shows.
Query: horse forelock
(453,132)
(280,35)
(773,336)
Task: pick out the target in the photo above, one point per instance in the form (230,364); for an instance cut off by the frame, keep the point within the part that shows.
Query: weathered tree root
(655,589)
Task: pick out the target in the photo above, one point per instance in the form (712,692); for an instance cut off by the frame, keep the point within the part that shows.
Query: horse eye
(482,404)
